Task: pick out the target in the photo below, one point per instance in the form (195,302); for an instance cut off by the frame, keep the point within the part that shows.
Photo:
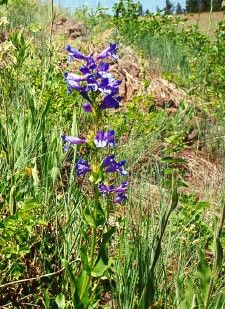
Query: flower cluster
(100,90)
(95,78)
(107,166)
(120,191)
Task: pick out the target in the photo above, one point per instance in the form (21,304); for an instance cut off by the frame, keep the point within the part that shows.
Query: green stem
(93,244)
(92,255)
(218,257)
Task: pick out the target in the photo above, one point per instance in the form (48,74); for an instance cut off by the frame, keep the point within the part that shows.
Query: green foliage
(3,2)
(180,50)
(165,249)
(127,9)
(17,236)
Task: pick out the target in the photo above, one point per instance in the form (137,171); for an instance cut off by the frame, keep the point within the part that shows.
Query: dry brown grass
(207,22)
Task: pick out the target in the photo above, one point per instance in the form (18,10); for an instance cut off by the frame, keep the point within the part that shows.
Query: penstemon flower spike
(100,90)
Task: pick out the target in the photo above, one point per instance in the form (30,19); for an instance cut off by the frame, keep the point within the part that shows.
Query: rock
(61,21)
(166,93)
(171,110)
(129,73)
(71,28)
(76,31)
(3,37)
(192,136)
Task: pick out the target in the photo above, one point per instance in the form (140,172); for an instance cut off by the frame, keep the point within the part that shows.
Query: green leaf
(200,299)
(84,259)
(88,218)
(71,276)
(3,2)
(202,205)
(220,300)
(60,301)
(47,300)
(179,293)
(106,236)
(103,251)
(82,288)
(96,178)
(219,254)
(100,215)
(29,204)
(204,273)
(99,269)
(190,295)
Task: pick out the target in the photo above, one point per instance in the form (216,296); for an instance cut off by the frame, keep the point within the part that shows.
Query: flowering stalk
(100,92)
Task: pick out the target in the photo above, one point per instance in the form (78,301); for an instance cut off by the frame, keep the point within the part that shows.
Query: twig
(35,278)
(29,304)
(32,279)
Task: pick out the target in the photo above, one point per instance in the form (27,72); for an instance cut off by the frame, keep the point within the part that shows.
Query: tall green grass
(165,250)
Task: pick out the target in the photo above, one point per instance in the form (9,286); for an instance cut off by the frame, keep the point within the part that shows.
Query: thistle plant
(107,176)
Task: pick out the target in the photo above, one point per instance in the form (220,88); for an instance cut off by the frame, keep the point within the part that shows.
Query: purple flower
(82,167)
(74,53)
(111,138)
(122,188)
(111,166)
(103,67)
(102,139)
(95,78)
(108,85)
(103,189)
(91,63)
(110,102)
(109,51)
(85,70)
(107,161)
(87,107)
(73,80)
(120,198)
(72,140)
(75,77)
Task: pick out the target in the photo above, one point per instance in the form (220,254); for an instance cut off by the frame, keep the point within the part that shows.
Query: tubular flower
(87,107)
(120,191)
(120,198)
(102,139)
(72,140)
(111,166)
(122,188)
(75,54)
(82,167)
(110,102)
(109,51)
(103,189)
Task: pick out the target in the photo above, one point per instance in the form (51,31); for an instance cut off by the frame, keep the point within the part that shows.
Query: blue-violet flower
(112,166)
(82,167)
(102,139)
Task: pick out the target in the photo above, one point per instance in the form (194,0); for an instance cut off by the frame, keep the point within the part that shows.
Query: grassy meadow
(62,244)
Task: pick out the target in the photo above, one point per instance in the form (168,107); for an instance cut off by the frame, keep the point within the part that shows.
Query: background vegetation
(168,250)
